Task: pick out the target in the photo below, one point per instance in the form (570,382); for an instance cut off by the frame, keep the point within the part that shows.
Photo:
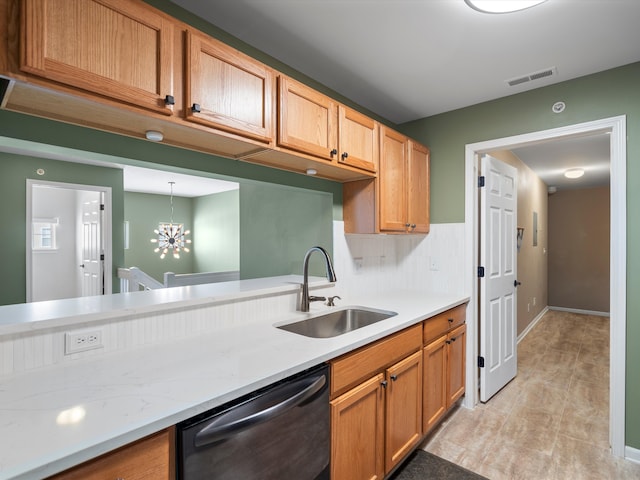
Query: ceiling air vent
(547,72)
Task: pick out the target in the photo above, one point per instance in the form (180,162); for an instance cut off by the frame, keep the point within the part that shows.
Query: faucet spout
(331,276)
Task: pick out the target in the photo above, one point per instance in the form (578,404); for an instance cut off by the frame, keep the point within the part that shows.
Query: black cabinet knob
(333,152)
(345,155)
(383,383)
(169,100)
(394,377)
(195,108)
(450,320)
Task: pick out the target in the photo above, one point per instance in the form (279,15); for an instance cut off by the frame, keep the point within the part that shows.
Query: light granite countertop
(124,396)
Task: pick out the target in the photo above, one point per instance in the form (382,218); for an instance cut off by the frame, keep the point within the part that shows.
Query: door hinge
(480,272)
(480,362)
(102,206)
(102,257)
(481,181)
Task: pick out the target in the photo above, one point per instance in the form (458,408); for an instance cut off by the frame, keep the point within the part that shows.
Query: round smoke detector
(558,107)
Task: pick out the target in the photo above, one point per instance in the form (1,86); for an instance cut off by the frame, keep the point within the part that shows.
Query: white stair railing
(134,280)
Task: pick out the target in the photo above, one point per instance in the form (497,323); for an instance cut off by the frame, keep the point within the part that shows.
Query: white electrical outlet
(433,264)
(82,340)
(357,263)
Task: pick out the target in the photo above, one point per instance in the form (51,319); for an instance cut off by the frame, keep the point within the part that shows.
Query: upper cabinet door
(120,49)
(392,195)
(358,137)
(227,89)
(306,120)
(418,188)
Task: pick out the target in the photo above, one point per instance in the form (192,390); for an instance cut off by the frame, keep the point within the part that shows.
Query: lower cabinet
(148,459)
(443,365)
(377,422)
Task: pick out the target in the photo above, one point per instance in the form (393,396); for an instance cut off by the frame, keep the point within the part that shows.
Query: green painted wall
(14,172)
(278,225)
(606,94)
(144,211)
(216,232)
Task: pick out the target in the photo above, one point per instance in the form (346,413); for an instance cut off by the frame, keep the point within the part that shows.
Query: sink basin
(337,322)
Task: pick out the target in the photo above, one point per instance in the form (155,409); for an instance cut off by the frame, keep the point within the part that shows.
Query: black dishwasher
(279,432)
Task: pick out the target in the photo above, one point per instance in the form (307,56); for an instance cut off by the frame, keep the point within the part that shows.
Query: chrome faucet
(331,276)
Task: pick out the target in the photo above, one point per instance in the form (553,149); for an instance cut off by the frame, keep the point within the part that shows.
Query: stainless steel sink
(337,322)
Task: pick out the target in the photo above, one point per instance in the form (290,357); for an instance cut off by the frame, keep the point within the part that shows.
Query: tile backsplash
(380,263)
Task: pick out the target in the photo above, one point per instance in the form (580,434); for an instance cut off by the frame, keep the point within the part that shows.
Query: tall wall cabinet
(397,201)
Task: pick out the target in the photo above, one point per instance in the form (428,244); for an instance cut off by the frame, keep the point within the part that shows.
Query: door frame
(616,127)
(106,230)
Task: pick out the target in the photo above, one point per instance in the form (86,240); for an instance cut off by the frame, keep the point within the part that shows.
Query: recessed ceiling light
(502,6)
(574,173)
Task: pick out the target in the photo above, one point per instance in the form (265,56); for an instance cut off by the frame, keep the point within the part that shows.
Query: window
(43,234)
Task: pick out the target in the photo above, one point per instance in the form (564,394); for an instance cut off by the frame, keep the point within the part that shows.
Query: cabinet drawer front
(353,367)
(443,322)
(146,459)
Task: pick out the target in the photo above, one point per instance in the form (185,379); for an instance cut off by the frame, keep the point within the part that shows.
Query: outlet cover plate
(82,340)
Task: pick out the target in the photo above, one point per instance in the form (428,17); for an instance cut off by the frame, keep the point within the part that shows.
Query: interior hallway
(552,421)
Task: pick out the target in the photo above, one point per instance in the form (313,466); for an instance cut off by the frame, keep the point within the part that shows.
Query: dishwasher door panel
(282,432)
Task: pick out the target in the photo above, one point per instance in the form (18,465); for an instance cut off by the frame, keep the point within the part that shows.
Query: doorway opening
(68,240)
(616,128)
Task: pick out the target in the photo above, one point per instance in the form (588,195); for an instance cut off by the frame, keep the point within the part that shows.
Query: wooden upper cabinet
(397,201)
(418,188)
(228,90)
(392,194)
(120,49)
(306,120)
(358,139)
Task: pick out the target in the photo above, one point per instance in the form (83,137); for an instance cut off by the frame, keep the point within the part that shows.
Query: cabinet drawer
(354,367)
(148,459)
(443,322)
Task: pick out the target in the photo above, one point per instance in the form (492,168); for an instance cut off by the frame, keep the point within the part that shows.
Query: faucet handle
(331,299)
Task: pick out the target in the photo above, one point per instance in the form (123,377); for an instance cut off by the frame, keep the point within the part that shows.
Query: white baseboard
(632,454)
(577,310)
(532,324)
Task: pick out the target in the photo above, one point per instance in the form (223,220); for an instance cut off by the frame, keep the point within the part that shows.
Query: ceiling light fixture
(154,135)
(171,236)
(502,6)
(574,173)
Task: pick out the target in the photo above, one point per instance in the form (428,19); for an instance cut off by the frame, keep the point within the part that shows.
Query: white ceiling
(147,180)
(409,59)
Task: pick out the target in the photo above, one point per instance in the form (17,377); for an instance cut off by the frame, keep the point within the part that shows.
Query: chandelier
(171,236)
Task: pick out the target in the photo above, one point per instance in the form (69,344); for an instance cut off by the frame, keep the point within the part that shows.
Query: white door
(90,245)
(498,319)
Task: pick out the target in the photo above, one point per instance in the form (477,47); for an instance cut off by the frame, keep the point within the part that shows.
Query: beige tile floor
(550,422)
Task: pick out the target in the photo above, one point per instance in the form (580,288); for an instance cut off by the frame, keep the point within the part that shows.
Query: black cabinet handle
(344,155)
(453,339)
(447,342)
(333,152)
(383,383)
(450,320)
(195,108)
(169,100)
(413,225)
(394,377)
